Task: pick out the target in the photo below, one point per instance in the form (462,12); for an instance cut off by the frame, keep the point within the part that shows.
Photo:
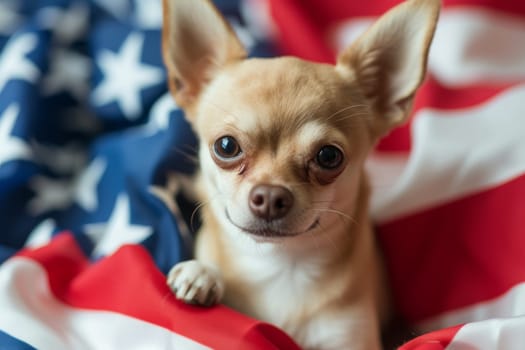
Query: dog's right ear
(390,59)
(196,42)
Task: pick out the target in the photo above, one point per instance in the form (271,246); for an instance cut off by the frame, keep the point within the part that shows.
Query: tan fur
(325,285)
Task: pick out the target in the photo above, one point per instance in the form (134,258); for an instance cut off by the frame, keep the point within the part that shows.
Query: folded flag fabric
(65,301)
(87,130)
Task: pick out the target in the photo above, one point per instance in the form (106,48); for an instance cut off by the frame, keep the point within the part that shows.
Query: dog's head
(282,140)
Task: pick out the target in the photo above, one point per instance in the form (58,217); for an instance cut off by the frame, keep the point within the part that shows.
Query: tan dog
(286,235)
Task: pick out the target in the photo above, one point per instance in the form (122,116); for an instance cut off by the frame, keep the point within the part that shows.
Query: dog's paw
(195,283)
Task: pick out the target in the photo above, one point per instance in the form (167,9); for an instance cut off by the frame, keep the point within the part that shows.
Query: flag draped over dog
(87,130)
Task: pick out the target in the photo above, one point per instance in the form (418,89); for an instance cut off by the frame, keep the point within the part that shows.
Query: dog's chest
(289,295)
(276,290)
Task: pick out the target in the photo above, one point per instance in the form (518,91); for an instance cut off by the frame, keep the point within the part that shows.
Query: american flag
(87,130)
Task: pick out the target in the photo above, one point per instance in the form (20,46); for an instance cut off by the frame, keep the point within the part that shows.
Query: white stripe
(495,334)
(474,46)
(30,313)
(454,154)
(471,45)
(345,33)
(510,304)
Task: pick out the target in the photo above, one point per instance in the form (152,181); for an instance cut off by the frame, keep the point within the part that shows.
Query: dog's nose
(270,202)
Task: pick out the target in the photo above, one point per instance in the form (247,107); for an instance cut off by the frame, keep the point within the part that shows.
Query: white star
(85,186)
(9,19)
(159,116)
(13,62)
(50,194)
(125,76)
(148,13)
(67,25)
(12,148)
(59,194)
(41,235)
(70,72)
(118,231)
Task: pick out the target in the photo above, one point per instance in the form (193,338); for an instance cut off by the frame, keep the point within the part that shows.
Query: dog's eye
(329,157)
(227,147)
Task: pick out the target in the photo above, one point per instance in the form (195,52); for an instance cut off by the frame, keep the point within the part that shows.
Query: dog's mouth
(267,230)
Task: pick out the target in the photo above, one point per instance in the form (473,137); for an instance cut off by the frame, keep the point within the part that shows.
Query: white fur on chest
(279,277)
(281,286)
(283,292)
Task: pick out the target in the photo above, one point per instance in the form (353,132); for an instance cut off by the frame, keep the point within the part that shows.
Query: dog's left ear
(389,60)
(196,43)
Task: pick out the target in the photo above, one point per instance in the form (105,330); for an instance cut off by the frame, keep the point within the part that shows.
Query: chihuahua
(286,235)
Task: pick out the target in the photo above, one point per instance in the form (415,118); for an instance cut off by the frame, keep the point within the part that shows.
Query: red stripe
(437,340)
(298,33)
(433,94)
(399,140)
(457,254)
(128,282)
